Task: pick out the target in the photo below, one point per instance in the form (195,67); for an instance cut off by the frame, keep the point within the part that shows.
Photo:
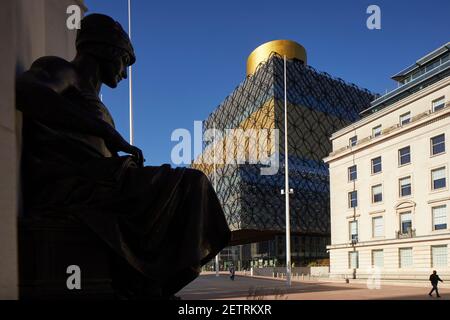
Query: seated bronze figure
(162,223)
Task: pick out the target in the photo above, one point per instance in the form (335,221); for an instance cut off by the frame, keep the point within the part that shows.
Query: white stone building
(389,180)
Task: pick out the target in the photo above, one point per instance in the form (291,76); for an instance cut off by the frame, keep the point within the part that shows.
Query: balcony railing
(411,233)
(390,129)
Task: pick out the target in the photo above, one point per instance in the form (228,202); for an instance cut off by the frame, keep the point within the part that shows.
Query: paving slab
(210,287)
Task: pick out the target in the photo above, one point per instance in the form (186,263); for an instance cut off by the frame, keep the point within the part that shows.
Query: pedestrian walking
(434,279)
(232,271)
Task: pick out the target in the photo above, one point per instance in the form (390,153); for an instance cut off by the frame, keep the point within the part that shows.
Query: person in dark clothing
(434,279)
(232,272)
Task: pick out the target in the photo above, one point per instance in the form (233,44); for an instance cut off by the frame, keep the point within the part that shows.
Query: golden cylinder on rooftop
(291,49)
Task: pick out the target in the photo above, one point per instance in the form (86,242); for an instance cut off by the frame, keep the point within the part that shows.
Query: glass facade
(318,105)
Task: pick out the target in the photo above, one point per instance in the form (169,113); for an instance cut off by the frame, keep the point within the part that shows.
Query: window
(405,118)
(353,262)
(377,193)
(377,258)
(378,227)
(438,144)
(376,131)
(445,58)
(376,165)
(353,140)
(404,156)
(406,257)
(439,217)
(439,256)
(405,186)
(353,199)
(405,222)
(352,174)
(353,230)
(438,178)
(438,104)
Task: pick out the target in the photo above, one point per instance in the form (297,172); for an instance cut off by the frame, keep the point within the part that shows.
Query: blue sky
(192,54)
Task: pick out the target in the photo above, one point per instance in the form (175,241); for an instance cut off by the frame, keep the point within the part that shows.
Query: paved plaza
(208,286)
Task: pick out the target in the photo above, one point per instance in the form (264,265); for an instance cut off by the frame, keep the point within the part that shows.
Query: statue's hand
(119,144)
(136,153)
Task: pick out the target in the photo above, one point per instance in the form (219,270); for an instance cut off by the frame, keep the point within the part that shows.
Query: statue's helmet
(101,29)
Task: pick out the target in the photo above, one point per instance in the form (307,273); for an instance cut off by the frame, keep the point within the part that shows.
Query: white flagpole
(215,189)
(286,183)
(130,78)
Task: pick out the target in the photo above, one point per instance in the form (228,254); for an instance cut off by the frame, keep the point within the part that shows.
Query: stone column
(29,29)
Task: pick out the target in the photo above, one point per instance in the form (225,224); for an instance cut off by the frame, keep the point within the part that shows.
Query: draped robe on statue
(164,222)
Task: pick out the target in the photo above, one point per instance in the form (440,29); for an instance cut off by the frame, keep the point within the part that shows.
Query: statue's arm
(39,96)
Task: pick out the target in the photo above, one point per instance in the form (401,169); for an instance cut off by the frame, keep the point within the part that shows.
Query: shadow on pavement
(212,287)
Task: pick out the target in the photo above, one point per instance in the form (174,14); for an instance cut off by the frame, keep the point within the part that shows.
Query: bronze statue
(162,223)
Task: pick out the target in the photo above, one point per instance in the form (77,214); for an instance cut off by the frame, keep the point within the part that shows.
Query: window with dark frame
(405,222)
(437,144)
(377,258)
(353,260)
(377,193)
(376,165)
(438,178)
(438,104)
(439,217)
(352,173)
(404,156)
(353,230)
(439,256)
(376,131)
(405,186)
(378,227)
(406,257)
(405,118)
(353,199)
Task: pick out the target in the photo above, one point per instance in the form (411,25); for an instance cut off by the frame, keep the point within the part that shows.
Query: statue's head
(104,38)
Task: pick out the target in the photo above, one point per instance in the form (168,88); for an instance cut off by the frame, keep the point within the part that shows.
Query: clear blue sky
(192,54)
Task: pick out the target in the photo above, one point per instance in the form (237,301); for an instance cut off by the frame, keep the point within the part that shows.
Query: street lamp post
(286,185)
(215,189)
(130,79)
